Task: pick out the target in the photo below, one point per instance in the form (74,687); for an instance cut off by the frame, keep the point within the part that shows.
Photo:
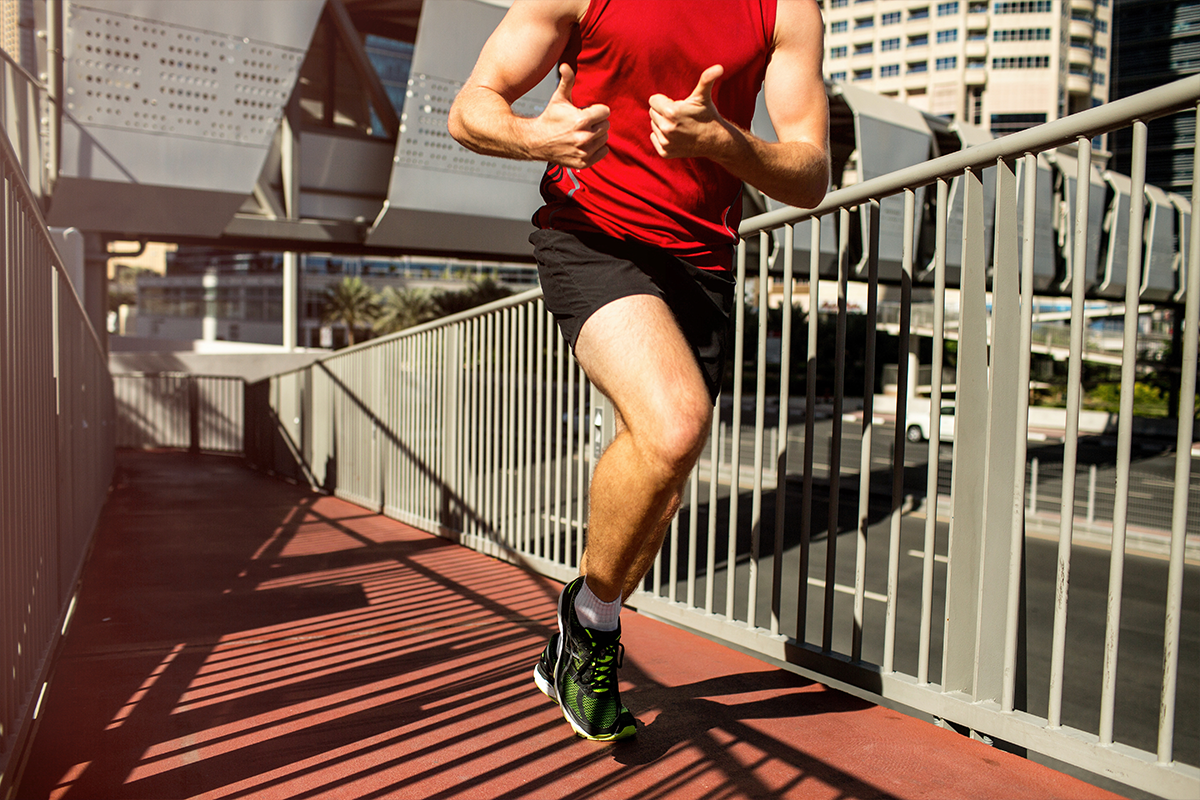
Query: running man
(647,144)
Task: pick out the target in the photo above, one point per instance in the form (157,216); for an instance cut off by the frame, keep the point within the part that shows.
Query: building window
(1003,124)
(838,52)
(838,3)
(918,13)
(945,37)
(1021,62)
(977,7)
(1022,7)
(1101,52)
(864,48)
(976,36)
(1022,35)
(949,62)
(864,22)
(889,44)
(946,9)
(1081,69)
(1098,78)
(975,106)
(863,74)
(918,40)
(841,26)
(1083,44)
(889,70)
(976,63)
(837,76)
(1102,26)
(917,66)
(891,18)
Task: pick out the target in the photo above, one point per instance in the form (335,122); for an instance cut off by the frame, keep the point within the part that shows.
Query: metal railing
(56,452)
(21,97)
(481,427)
(202,413)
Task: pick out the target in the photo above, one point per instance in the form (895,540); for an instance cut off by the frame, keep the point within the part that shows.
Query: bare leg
(633,351)
(651,545)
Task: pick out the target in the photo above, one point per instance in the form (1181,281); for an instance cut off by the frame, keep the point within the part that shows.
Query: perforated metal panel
(441,195)
(155,76)
(170,108)
(425,142)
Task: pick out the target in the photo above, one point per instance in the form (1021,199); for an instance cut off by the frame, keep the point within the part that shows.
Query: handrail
(35,208)
(1148,105)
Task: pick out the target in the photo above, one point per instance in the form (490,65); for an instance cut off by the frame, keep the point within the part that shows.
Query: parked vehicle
(917,423)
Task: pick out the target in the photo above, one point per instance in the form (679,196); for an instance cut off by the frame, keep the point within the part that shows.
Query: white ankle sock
(594,613)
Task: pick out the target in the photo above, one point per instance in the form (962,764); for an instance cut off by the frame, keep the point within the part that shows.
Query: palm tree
(351,303)
(483,291)
(404,308)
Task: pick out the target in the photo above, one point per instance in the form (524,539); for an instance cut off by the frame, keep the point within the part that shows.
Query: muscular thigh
(633,350)
(583,273)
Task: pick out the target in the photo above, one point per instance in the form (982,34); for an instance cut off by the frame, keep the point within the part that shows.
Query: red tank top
(625,51)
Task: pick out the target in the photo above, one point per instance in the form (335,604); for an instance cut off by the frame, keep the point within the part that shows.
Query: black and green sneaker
(543,673)
(585,680)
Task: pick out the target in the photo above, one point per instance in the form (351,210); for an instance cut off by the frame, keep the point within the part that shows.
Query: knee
(678,438)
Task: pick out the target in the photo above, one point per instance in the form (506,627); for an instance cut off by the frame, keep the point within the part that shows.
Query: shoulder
(561,12)
(798,23)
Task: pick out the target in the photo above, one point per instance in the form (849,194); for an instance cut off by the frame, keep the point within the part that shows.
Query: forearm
(796,172)
(483,122)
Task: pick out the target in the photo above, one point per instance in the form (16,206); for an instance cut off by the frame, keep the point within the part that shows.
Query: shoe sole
(546,687)
(624,733)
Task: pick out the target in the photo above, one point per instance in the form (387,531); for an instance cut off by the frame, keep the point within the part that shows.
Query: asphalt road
(1140,650)
(1140,653)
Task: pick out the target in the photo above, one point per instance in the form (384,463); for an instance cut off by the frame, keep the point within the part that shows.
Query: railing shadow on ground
(451,423)
(291,645)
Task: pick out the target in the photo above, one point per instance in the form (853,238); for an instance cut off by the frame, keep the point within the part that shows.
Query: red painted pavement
(240,637)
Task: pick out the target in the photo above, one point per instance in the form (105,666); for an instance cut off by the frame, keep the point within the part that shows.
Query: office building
(1005,65)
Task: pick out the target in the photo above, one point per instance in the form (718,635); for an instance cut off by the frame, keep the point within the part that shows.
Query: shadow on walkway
(240,637)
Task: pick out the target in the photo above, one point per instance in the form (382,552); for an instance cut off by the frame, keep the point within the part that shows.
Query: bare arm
(519,53)
(794,170)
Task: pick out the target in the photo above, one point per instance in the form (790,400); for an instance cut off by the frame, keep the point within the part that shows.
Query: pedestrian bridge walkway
(238,636)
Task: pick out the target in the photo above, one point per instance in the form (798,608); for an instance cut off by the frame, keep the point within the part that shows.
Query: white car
(917,422)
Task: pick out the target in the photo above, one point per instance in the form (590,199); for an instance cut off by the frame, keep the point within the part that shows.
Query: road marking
(938,558)
(844,589)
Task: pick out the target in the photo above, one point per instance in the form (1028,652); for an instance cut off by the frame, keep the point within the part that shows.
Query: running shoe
(543,673)
(585,680)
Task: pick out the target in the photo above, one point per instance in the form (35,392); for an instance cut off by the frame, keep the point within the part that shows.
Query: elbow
(819,185)
(809,193)
(810,184)
(455,124)
(812,196)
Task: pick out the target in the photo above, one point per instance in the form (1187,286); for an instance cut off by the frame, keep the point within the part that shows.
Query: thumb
(703,90)
(566,84)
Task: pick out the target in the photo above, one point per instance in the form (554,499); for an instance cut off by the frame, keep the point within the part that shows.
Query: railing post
(970,471)
(193,401)
(1004,500)
(452,366)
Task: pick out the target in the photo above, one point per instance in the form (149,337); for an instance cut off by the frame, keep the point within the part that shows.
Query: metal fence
(481,427)
(179,410)
(20,116)
(56,452)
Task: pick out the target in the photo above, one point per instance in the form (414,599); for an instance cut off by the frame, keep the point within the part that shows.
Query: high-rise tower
(1005,65)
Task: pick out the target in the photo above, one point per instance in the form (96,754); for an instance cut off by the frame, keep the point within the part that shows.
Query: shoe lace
(605,659)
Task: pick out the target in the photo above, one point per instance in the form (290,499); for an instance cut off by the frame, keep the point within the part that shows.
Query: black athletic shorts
(581,271)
